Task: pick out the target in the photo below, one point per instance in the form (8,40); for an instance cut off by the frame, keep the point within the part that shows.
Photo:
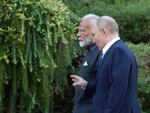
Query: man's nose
(78,35)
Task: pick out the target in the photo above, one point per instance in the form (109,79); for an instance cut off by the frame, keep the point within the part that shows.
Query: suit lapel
(101,62)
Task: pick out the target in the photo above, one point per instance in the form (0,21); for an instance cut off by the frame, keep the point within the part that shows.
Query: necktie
(101,56)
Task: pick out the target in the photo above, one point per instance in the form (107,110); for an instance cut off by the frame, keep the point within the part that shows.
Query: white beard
(86,42)
(82,43)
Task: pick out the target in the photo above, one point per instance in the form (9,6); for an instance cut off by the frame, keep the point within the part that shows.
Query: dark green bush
(142,53)
(132,15)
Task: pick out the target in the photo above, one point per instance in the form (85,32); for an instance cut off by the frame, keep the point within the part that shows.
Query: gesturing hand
(79,81)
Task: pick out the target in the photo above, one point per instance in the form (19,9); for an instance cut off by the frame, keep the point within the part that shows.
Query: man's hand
(79,81)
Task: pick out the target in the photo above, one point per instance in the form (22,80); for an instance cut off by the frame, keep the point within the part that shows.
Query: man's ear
(103,30)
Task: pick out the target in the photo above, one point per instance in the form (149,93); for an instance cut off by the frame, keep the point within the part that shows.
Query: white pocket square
(85,63)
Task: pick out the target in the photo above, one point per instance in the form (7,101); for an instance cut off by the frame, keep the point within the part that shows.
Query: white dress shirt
(105,49)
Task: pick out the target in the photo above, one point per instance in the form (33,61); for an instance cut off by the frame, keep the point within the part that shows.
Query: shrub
(142,53)
(35,37)
(133,18)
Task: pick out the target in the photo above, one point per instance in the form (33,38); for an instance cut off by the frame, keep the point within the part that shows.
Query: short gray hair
(92,18)
(108,23)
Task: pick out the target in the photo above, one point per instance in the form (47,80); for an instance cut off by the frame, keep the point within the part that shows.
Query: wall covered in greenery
(35,37)
(142,53)
(132,15)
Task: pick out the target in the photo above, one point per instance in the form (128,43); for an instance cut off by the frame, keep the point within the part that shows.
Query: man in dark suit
(115,89)
(88,25)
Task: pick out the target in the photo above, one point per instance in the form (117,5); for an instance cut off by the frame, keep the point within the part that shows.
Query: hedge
(35,37)
(132,15)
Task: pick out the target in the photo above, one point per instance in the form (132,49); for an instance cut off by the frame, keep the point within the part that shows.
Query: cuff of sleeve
(90,89)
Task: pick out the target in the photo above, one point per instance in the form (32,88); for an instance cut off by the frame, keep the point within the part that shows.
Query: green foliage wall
(35,37)
(132,15)
(142,53)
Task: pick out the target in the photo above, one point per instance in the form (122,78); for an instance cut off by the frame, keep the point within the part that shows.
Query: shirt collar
(105,49)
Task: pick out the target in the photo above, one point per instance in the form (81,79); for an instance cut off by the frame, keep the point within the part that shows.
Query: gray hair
(92,18)
(108,23)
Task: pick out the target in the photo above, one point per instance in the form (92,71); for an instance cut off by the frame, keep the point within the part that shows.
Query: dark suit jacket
(116,85)
(82,103)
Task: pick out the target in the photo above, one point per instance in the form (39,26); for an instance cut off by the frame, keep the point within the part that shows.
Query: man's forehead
(84,25)
(85,22)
